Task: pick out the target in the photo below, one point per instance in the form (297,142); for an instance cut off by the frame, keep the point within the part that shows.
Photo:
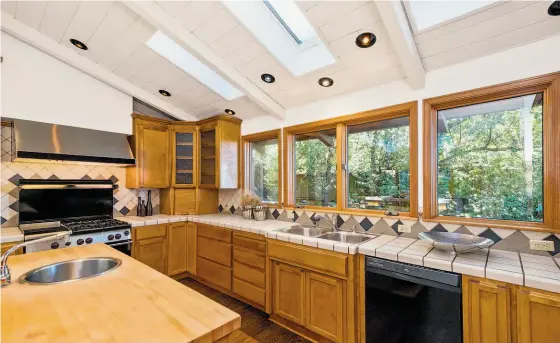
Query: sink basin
(351,238)
(70,270)
(303,230)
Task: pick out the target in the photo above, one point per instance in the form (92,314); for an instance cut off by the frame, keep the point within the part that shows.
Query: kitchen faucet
(317,218)
(5,277)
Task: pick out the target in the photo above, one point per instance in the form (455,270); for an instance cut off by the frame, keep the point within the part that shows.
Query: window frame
(549,86)
(247,140)
(341,123)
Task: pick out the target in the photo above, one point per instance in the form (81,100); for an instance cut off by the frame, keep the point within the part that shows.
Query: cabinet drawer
(250,242)
(254,276)
(151,231)
(214,273)
(249,257)
(216,251)
(319,259)
(248,291)
(214,232)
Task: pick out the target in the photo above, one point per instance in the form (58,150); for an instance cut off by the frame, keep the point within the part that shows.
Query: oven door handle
(119,244)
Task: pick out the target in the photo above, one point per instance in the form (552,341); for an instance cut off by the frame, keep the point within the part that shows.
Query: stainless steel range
(84,207)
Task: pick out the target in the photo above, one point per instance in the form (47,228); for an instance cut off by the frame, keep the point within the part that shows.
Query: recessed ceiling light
(365,40)
(554,9)
(164,92)
(268,78)
(326,81)
(78,44)
(230,112)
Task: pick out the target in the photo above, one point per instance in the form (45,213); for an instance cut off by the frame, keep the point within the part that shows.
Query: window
(490,160)
(357,163)
(315,168)
(262,165)
(489,155)
(379,165)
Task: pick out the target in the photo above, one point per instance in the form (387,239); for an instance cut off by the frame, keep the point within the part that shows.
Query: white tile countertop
(10,234)
(517,268)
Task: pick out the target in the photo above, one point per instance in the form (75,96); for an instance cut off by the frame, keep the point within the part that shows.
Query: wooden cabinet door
(153,159)
(486,311)
(538,316)
(288,292)
(152,252)
(191,247)
(324,306)
(177,249)
(184,161)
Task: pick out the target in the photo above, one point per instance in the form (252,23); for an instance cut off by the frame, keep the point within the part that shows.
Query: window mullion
(342,167)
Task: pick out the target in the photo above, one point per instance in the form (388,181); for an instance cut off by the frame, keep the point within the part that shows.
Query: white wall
(36,86)
(534,59)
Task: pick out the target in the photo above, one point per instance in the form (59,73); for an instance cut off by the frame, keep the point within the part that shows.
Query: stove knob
(67,244)
(111,237)
(126,233)
(89,240)
(54,245)
(80,241)
(118,236)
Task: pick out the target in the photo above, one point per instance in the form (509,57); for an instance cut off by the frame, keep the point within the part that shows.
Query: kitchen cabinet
(150,144)
(288,292)
(184,158)
(313,291)
(249,268)
(219,143)
(538,316)
(150,246)
(177,248)
(214,256)
(191,247)
(487,310)
(5,246)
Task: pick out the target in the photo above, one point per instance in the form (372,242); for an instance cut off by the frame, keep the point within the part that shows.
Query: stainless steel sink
(304,230)
(70,270)
(346,237)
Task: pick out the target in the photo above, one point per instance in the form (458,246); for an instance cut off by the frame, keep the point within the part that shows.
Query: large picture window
(490,160)
(262,165)
(379,165)
(489,155)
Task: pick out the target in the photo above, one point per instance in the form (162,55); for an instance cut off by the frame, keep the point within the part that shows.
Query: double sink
(338,236)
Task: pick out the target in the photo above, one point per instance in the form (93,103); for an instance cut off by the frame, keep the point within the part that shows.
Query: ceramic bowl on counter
(456,242)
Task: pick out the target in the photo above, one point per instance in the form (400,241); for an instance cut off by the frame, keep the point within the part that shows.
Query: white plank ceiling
(116,39)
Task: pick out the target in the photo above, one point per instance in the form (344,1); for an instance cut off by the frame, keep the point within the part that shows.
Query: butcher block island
(131,303)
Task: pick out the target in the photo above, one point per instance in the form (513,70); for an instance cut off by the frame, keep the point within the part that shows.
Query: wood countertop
(132,303)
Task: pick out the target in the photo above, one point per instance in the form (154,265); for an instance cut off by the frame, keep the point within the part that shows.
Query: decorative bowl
(457,242)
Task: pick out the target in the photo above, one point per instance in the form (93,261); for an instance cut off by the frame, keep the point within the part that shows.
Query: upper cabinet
(184,159)
(150,144)
(219,139)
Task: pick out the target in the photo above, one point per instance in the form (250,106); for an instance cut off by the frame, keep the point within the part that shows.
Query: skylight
(174,53)
(425,14)
(293,20)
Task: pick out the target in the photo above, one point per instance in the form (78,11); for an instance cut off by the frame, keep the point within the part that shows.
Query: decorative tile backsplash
(510,240)
(124,200)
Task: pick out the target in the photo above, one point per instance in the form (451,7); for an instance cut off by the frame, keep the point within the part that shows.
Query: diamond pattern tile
(553,238)
(491,235)
(366,224)
(275,214)
(439,228)
(220,208)
(232,209)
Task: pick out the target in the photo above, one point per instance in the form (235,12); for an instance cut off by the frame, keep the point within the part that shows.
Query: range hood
(41,141)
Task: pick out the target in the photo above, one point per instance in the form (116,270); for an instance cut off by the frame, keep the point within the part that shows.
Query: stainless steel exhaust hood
(42,141)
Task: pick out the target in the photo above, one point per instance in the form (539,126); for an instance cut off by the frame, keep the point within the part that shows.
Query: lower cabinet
(288,292)
(324,305)
(538,316)
(177,248)
(214,256)
(487,312)
(152,252)
(5,246)
(498,312)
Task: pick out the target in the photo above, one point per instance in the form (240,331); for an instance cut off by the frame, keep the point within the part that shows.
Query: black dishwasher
(411,304)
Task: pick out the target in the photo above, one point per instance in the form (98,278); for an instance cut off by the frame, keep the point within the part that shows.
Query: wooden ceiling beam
(162,21)
(400,34)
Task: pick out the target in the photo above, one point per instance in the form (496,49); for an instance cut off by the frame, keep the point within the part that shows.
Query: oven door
(123,246)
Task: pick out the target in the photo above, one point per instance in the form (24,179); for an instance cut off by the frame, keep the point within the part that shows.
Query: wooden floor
(255,326)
